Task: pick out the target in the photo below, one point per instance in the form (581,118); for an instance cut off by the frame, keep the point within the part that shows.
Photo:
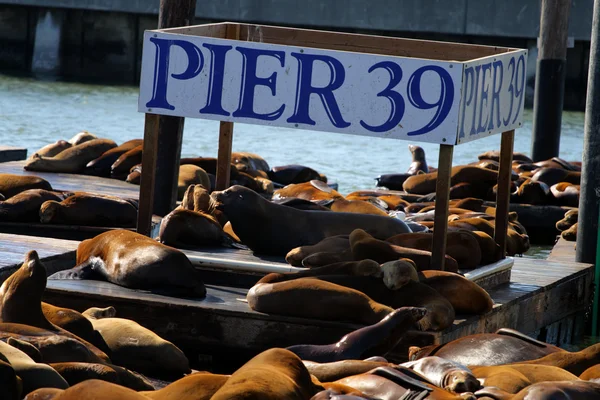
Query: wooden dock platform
(75,182)
(544,298)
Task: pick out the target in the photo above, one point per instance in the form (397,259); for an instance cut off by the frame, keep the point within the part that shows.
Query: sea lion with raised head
(274,229)
(72,160)
(135,261)
(89,209)
(374,340)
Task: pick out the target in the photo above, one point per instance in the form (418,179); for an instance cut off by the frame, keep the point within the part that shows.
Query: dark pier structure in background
(101,40)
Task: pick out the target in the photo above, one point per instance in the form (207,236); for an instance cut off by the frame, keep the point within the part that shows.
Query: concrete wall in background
(100,40)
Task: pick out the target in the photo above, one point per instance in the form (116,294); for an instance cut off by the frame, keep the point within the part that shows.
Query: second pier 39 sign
(446,102)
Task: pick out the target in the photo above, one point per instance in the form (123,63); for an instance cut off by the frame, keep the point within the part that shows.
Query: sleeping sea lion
(197,386)
(272,375)
(355,268)
(89,210)
(120,168)
(465,296)
(11,384)
(446,374)
(552,176)
(312,190)
(333,371)
(515,377)
(135,261)
(568,390)
(72,160)
(135,175)
(52,149)
(426,183)
(82,137)
(101,165)
(184,228)
(377,339)
(76,372)
(250,161)
(356,206)
(11,185)
(99,390)
(574,362)
(331,244)
(566,194)
(269,228)
(25,206)
(494,155)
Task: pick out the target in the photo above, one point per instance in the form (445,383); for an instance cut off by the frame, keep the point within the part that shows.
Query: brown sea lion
(197,386)
(44,394)
(515,377)
(321,259)
(143,351)
(289,174)
(342,303)
(470,203)
(532,192)
(568,390)
(273,374)
(33,375)
(184,228)
(365,246)
(135,175)
(465,296)
(355,268)
(209,164)
(446,374)
(356,206)
(574,362)
(516,243)
(331,244)
(197,198)
(11,185)
(460,245)
(568,221)
(120,168)
(494,155)
(566,194)
(76,372)
(490,250)
(552,176)
(377,339)
(250,161)
(82,137)
(418,160)
(333,371)
(333,394)
(557,162)
(72,160)
(99,390)
(135,261)
(190,174)
(570,234)
(25,206)
(486,349)
(396,274)
(426,183)
(52,149)
(89,210)
(274,229)
(312,190)
(592,372)
(489,164)
(101,165)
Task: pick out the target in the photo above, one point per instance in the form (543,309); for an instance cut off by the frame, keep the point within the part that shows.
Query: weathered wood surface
(563,250)
(8,153)
(74,182)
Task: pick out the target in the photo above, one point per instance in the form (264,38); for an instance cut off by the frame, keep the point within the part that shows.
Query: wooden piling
(442,201)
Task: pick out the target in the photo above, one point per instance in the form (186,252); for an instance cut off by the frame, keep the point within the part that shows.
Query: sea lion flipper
(82,271)
(401,378)
(522,336)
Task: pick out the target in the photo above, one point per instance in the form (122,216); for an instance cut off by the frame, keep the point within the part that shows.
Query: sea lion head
(418,154)
(233,197)
(48,211)
(99,313)
(398,273)
(460,381)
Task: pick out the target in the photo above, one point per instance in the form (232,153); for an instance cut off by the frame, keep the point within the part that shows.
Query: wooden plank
(8,153)
(225,132)
(503,194)
(147,181)
(442,201)
(217,30)
(76,182)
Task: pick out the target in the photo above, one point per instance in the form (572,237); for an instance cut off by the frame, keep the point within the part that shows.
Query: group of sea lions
(48,352)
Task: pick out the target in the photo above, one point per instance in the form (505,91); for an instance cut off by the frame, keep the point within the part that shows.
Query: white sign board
(322,90)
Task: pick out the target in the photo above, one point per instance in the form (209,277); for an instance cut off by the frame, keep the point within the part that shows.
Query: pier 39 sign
(445,102)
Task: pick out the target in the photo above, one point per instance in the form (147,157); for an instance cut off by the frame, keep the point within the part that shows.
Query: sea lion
(11,185)
(333,371)
(197,386)
(568,390)
(494,155)
(566,194)
(312,190)
(44,394)
(365,246)
(99,390)
(33,375)
(190,174)
(552,176)
(354,268)
(377,339)
(72,160)
(135,261)
(465,296)
(356,206)
(135,175)
(418,160)
(250,161)
(488,349)
(101,165)
(460,245)
(324,258)
(392,181)
(25,206)
(89,210)
(11,384)
(52,149)
(515,377)
(197,198)
(342,303)
(82,137)
(426,183)
(274,229)
(209,164)
(570,234)
(273,374)
(532,192)
(574,362)
(26,348)
(289,174)
(143,351)
(446,374)
(120,168)
(516,243)
(331,244)
(76,372)
(568,220)
(184,228)
(592,372)
(396,274)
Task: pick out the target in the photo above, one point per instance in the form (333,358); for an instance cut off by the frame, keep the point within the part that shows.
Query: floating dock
(544,298)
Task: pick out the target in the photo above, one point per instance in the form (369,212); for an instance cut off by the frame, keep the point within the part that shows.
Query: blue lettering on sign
(496,87)
(443,103)
(511,89)
(484,96)
(304,89)
(396,100)
(161,69)
(473,130)
(250,81)
(469,78)
(215,82)
(519,88)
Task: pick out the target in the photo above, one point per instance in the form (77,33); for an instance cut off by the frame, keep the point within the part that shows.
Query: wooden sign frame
(474,57)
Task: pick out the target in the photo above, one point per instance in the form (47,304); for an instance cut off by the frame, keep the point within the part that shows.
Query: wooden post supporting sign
(442,201)
(503,193)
